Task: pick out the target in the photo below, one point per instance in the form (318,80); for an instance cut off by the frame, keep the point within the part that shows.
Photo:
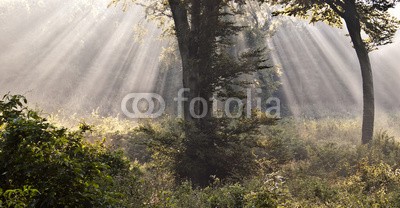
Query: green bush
(57,165)
(17,197)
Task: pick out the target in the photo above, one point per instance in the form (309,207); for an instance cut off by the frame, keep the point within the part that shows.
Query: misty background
(78,56)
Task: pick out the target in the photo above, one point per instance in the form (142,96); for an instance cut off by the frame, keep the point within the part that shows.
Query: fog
(79,56)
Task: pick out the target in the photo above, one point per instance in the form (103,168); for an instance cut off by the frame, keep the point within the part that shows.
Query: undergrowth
(109,162)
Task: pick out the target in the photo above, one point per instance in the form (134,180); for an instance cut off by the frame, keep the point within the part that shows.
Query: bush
(57,165)
(17,197)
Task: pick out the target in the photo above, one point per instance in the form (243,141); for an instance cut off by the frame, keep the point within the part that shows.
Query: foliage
(294,163)
(17,197)
(300,163)
(224,149)
(253,193)
(339,176)
(56,167)
(373,16)
(313,174)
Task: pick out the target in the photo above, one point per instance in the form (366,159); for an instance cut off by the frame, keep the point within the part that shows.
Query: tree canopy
(375,20)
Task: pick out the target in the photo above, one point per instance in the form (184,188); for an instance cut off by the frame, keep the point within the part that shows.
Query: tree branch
(335,8)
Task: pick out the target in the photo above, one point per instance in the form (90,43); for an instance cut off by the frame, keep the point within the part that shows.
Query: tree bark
(196,27)
(190,73)
(354,29)
(195,39)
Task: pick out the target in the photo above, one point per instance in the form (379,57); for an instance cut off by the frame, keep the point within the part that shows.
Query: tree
(204,31)
(369,16)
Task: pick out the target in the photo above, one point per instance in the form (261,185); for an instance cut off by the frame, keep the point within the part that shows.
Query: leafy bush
(57,165)
(17,197)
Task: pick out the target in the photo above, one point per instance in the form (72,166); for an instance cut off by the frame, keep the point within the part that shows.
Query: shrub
(17,197)
(58,164)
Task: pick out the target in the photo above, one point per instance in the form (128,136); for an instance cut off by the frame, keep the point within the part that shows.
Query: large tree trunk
(354,28)
(190,73)
(196,39)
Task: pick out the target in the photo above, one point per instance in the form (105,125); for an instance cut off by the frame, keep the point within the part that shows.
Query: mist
(79,56)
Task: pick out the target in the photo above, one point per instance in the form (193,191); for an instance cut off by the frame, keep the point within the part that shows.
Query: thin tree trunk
(354,28)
